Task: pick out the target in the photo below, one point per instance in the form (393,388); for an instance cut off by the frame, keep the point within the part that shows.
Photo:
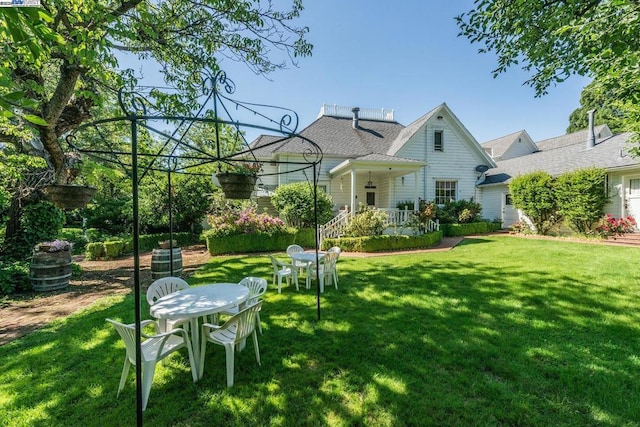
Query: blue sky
(404,56)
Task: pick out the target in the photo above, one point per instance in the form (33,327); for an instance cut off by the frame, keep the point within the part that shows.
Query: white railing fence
(395,218)
(363,113)
(333,228)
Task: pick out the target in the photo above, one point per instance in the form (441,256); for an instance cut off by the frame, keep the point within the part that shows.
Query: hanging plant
(67,195)
(240,182)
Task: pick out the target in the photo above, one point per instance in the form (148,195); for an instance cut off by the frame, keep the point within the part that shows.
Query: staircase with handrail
(333,228)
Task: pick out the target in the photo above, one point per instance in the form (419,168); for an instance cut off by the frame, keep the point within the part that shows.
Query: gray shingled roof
(568,153)
(263,146)
(500,145)
(573,138)
(337,137)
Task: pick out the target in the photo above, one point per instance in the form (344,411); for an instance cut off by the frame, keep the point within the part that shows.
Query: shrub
(114,248)
(383,243)
(405,204)
(76,237)
(368,221)
(39,222)
(294,203)
(246,221)
(94,250)
(581,197)
(246,243)
(14,277)
(534,195)
(460,211)
(451,230)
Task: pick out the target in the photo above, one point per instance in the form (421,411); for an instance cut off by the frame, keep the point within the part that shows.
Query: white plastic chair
(327,267)
(162,287)
(257,287)
(335,270)
(282,270)
(154,348)
(232,333)
(300,265)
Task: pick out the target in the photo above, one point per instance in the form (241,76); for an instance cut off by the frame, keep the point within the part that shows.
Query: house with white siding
(594,147)
(370,158)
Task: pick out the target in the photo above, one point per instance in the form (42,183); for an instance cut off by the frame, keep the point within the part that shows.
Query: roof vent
(355,111)
(591,137)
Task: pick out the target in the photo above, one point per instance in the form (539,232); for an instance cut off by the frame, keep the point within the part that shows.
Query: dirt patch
(22,314)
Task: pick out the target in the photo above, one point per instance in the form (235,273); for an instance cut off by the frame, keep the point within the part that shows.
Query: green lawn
(498,331)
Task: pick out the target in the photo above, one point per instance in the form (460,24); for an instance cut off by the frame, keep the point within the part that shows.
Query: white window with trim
(438,140)
(446,191)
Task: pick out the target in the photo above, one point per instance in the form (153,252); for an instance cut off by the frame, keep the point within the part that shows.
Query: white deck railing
(364,113)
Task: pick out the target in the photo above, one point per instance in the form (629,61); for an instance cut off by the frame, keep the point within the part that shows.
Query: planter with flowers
(240,182)
(609,226)
(50,267)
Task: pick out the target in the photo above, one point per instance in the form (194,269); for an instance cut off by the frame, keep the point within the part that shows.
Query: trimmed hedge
(75,236)
(246,243)
(306,237)
(118,247)
(383,243)
(451,230)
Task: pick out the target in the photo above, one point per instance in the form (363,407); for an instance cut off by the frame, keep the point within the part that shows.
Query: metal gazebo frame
(136,112)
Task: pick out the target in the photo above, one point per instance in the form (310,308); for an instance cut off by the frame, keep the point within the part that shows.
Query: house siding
(491,201)
(517,149)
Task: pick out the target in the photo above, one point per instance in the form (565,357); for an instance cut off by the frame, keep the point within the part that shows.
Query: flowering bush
(54,246)
(245,221)
(244,168)
(368,221)
(610,226)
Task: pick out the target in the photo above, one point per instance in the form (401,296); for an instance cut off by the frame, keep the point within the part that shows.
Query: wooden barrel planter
(161,263)
(50,271)
(237,186)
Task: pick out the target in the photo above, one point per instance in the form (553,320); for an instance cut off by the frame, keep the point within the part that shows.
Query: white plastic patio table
(199,301)
(307,256)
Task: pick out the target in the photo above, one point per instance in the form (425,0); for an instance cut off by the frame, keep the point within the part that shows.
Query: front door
(509,213)
(632,203)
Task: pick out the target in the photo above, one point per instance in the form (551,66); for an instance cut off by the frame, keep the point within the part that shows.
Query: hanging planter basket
(69,196)
(236,185)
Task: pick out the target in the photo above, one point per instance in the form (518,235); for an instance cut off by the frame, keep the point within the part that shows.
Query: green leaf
(35,119)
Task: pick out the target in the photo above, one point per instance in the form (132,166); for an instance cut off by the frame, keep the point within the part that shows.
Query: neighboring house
(370,158)
(513,145)
(562,154)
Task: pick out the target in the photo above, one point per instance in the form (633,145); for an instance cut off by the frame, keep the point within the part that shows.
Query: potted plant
(67,195)
(50,267)
(239,182)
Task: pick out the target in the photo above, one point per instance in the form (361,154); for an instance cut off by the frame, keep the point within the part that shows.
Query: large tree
(609,111)
(553,39)
(59,62)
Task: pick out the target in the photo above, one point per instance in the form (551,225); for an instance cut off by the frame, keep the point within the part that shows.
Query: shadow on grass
(405,340)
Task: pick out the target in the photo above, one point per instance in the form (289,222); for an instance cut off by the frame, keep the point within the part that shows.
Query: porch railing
(399,218)
(395,218)
(333,228)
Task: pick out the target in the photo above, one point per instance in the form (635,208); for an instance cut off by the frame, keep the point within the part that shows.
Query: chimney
(591,136)
(355,111)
